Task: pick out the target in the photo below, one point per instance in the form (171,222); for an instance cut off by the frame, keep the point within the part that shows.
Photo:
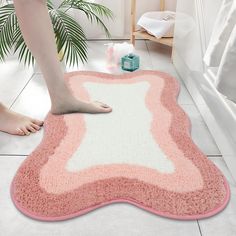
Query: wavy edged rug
(141,153)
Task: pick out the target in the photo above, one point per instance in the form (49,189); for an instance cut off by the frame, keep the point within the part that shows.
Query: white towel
(158,23)
(224,25)
(226,77)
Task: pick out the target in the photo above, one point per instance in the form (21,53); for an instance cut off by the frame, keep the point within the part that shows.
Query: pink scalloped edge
(208,214)
(133,202)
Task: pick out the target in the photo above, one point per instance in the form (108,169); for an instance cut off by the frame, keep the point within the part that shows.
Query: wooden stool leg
(133,21)
(132,39)
(162,5)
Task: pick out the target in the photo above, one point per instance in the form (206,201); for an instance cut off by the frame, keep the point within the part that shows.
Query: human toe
(31,128)
(37,127)
(37,122)
(25,130)
(19,132)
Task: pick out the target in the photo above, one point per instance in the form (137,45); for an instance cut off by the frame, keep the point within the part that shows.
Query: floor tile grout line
(208,155)
(199,227)
(203,121)
(13,155)
(10,154)
(215,155)
(22,90)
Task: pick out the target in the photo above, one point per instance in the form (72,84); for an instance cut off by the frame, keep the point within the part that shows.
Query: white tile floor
(25,93)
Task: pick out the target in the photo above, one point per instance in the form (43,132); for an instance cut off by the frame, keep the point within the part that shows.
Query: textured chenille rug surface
(141,153)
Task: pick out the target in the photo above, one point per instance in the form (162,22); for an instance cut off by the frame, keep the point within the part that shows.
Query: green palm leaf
(20,46)
(50,4)
(69,35)
(93,11)
(8,24)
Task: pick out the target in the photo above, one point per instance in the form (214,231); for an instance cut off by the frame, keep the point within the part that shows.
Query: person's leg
(17,124)
(37,30)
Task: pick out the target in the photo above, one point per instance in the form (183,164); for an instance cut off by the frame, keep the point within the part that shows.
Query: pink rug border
(122,200)
(133,202)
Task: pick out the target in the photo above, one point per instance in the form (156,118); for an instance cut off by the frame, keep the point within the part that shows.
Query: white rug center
(122,136)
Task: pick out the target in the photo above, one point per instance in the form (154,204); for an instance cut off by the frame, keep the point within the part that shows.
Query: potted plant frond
(69,35)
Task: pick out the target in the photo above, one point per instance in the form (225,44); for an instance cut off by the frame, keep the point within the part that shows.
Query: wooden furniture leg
(162,5)
(140,33)
(133,21)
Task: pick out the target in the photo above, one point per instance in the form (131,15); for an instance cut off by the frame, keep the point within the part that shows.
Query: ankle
(63,96)
(2,108)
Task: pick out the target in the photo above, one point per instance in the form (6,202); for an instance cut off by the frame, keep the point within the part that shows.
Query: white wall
(145,6)
(120,27)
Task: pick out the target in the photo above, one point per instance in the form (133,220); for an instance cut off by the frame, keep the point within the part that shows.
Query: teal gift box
(130,62)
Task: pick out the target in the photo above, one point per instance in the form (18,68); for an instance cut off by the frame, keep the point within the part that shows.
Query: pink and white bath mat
(141,153)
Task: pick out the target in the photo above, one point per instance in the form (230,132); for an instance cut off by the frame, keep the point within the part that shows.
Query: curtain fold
(226,77)
(222,29)
(221,51)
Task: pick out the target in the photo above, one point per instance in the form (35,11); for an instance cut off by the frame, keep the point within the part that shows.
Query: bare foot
(64,103)
(17,124)
(78,106)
